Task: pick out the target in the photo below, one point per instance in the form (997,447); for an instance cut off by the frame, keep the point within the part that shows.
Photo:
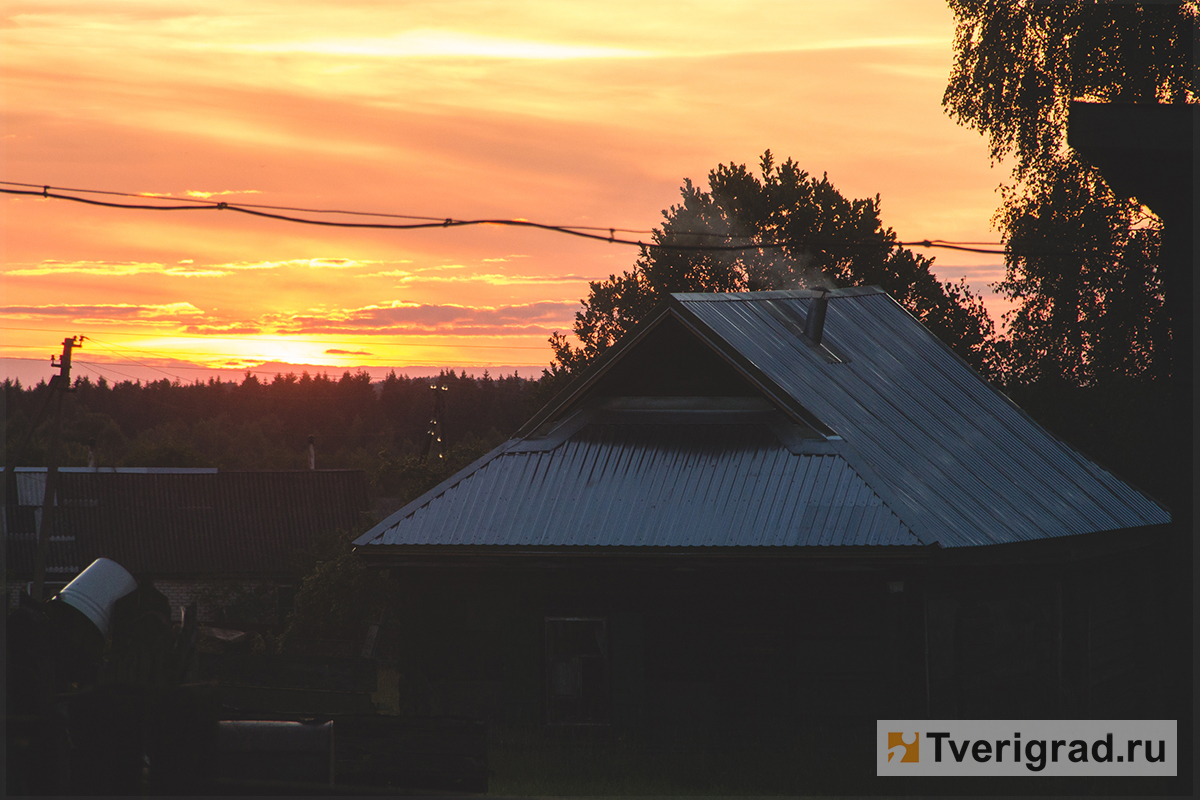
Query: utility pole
(59,385)
(434,439)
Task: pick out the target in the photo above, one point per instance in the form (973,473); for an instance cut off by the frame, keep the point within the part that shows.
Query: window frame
(551,657)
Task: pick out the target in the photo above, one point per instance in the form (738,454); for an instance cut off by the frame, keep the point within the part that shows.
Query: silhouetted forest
(381,427)
(356,424)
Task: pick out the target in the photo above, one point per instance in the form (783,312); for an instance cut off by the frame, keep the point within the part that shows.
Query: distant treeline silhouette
(381,427)
(356,424)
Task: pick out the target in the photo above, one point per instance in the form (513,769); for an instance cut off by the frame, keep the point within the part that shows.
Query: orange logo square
(905,745)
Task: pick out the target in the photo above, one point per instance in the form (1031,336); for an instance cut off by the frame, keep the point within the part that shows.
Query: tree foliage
(257,424)
(1019,64)
(828,241)
(1081,263)
(338,599)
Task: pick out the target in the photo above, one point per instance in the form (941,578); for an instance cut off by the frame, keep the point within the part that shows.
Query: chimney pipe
(814,323)
(312,453)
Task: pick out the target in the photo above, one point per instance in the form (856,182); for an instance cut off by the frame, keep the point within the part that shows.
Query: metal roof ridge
(890,499)
(776,294)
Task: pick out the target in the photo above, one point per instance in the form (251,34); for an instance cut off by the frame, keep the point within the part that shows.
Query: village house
(208,536)
(772,512)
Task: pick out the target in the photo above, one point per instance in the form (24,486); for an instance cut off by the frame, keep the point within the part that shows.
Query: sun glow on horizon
(582,114)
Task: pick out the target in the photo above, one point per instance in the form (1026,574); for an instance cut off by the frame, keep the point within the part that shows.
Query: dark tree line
(356,424)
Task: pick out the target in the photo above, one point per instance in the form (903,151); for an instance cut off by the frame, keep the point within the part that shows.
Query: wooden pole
(59,384)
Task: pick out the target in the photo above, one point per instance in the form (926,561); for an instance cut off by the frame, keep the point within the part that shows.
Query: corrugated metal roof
(31,481)
(922,450)
(653,485)
(184,521)
(959,462)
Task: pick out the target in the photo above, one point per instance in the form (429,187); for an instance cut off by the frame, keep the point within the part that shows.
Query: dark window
(576,671)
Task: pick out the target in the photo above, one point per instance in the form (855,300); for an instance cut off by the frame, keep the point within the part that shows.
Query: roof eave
(1058,549)
(382,556)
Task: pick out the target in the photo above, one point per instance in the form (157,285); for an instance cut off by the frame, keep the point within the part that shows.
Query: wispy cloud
(439,44)
(309,263)
(185,268)
(105,311)
(333,351)
(462,273)
(406,277)
(431,43)
(115,269)
(869,42)
(205,195)
(401,317)
(234,329)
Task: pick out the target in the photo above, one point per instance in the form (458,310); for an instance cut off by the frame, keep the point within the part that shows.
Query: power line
(86,364)
(134,360)
(450,222)
(205,201)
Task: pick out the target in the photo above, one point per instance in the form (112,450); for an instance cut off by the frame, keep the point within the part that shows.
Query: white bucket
(97,589)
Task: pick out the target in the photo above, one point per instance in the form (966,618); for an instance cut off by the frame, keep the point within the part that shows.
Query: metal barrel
(96,590)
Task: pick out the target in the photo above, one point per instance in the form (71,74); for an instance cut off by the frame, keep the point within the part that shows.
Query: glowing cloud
(452,319)
(106,311)
(490,279)
(185,268)
(235,329)
(205,195)
(114,269)
(443,44)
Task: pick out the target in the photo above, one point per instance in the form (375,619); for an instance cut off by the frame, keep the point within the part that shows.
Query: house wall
(183,592)
(1084,639)
(711,653)
(726,652)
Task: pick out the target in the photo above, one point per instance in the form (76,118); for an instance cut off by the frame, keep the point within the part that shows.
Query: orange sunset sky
(573,113)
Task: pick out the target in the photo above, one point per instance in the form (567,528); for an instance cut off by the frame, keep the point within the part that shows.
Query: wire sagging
(422,222)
